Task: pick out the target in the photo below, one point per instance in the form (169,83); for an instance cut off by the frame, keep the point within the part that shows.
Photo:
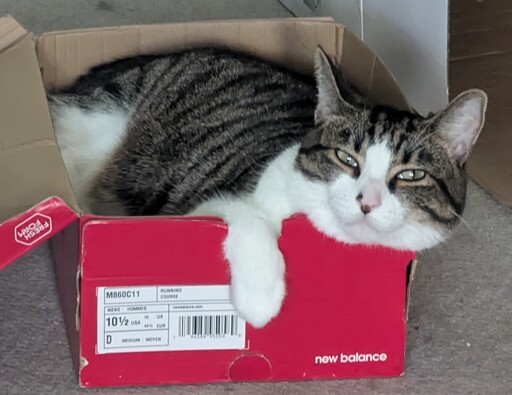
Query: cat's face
(387,177)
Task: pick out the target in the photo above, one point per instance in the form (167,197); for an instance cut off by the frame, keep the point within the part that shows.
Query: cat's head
(383,176)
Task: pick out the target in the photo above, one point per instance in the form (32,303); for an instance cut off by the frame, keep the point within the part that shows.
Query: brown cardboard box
(481,56)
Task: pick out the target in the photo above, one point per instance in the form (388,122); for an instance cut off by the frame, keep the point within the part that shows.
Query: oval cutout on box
(250,367)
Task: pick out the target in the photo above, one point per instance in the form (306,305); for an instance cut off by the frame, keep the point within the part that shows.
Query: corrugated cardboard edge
(226,21)
(11,32)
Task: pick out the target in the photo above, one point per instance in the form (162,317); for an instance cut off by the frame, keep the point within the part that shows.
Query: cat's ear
(330,100)
(461,122)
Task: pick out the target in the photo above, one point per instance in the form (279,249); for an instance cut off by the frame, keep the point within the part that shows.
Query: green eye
(411,175)
(346,159)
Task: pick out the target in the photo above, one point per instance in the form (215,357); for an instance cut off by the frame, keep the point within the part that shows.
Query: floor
(460,330)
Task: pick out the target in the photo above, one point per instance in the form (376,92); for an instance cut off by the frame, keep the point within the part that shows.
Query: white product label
(167,318)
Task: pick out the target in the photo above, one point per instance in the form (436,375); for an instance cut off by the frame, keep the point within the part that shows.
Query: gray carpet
(460,329)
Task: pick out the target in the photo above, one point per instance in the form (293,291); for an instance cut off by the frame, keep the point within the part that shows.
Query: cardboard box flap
(367,71)
(64,56)
(26,231)
(10,32)
(31,168)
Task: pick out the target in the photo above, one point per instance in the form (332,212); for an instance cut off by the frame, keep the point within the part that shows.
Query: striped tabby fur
(202,122)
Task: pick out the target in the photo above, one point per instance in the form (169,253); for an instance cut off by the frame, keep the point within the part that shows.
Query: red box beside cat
(146,300)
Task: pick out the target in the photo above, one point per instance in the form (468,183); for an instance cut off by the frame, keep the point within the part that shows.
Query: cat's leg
(257,269)
(256,264)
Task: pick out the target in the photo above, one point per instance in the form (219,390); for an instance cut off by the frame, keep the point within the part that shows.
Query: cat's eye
(411,175)
(346,159)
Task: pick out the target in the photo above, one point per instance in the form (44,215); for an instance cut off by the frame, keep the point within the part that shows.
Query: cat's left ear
(330,100)
(460,124)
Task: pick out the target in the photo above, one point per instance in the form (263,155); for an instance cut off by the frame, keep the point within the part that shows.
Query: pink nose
(370,197)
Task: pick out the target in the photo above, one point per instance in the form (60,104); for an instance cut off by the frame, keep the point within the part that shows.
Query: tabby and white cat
(216,132)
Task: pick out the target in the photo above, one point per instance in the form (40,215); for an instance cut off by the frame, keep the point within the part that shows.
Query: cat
(216,132)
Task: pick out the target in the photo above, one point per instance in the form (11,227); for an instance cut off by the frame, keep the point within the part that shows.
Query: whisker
(464,222)
(412,224)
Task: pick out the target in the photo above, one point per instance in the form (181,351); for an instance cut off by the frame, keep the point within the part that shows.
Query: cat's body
(228,116)
(214,132)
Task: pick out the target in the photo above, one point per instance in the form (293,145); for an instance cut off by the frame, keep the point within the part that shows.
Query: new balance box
(146,300)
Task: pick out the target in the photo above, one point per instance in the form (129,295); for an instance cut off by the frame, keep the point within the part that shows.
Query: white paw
(257,273)
(258,301)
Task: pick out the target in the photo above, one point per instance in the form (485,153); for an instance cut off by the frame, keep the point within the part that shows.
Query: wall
(411,37)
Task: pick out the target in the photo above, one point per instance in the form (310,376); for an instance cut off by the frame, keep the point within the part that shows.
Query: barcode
(208,325)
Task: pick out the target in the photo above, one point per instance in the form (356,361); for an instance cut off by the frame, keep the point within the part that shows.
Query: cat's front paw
(257,275)
(258,303)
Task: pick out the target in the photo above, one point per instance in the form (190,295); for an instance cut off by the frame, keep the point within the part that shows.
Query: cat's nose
(369,198)
(365,207)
